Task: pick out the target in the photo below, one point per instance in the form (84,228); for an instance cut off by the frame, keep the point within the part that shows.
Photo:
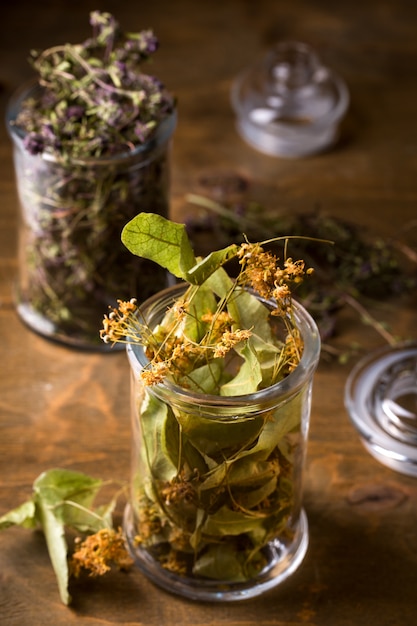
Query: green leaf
(196,535)
(242,474)
(72,495)
(206,379)
(216,437)
(227,522)
(160,437)
(220,562)
(56,485)
(62,498)
(56,492)
(285,419)
(250,313)
(248,499)
(54,531)
(220,283)
(215,478)
(202,300)
(166,243)
(170,446)
(249,472)
(24,515)
(248,377)
(192,457)
(207,266)
(268,356)
(103,517)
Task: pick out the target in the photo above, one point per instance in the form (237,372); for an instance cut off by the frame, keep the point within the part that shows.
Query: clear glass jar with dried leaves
(216,498)
(222,374)
(91,138)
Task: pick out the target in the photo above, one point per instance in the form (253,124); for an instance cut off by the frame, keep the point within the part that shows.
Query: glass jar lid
(288,104)
(381,398)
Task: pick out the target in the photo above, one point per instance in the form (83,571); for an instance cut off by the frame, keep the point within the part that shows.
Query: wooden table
(62,408)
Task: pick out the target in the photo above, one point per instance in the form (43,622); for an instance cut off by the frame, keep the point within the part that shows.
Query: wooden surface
(63,408)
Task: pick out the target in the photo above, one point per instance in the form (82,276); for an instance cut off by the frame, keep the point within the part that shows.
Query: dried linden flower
(97,552)
(217,326)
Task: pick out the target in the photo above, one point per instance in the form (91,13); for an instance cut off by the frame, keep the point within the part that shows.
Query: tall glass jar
(216,491)
(72,263)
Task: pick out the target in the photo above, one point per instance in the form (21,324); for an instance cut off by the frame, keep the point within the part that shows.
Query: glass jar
(288,103)
(216,491)
(72,263)
(381,399)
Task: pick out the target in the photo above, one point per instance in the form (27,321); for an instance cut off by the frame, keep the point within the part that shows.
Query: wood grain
(69,409)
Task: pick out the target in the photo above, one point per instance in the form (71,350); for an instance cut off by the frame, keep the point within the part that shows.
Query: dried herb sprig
(208,323)
(358,271)
(63,501)
(95,100)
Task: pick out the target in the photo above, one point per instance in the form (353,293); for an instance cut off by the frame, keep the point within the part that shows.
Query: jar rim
(261,399)
(160,137)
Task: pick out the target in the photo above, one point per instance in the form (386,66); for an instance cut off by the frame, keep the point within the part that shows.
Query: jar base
(283,561)
(46,329)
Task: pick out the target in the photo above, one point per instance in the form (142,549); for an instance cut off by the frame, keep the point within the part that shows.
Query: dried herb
(94,99)
(358,271)
(63,500)
(210,494)
(216,315)
(91,141)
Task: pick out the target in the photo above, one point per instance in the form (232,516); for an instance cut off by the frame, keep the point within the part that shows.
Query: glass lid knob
(288,104)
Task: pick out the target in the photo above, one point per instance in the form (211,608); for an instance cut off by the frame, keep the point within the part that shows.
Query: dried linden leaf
(61,498)
(24,515)
(166,243)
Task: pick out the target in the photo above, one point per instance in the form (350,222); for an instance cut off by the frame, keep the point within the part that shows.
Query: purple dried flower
(74,112)
(152,83)
(102,23)
(34,143)
(122,70)
(48,132)
(118,103)
(149,43)
(145,44)
(141,131)
(48,99)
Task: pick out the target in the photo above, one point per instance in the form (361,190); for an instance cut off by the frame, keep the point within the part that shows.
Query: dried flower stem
(369,319)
